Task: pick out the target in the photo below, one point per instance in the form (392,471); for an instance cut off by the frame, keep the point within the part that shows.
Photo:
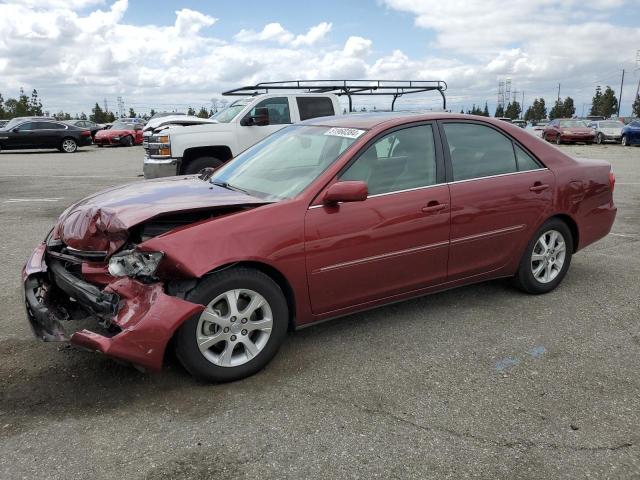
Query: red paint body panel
(107,137)
(335,259)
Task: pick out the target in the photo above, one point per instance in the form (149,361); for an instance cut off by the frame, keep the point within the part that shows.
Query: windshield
(572,123)
(122,126)
(227,114)
(284,164)
(611,124)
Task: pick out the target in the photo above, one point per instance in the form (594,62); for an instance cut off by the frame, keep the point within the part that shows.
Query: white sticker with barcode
(344,132)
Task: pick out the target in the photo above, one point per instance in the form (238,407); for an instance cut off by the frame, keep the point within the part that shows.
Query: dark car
(565,130)
(3,123)
(324,218)
(93,127)
(39,133)
(631,134)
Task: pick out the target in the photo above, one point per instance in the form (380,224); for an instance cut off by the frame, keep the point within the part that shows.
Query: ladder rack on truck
(350,88)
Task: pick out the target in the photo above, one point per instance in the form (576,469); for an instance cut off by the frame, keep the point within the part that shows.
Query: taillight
(85,133)
(612,180)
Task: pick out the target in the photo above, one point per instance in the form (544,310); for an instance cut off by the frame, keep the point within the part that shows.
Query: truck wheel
(194,166)
(240,330)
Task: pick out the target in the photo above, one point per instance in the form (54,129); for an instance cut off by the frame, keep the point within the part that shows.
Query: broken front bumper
(140,318)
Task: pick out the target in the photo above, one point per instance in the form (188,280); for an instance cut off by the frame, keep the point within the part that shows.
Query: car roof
(374,119)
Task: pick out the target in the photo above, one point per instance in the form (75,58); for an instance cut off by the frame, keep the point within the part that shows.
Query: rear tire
(558,140)
(128,141)
(624,141)
(241,329)
(541,270)
(194,166)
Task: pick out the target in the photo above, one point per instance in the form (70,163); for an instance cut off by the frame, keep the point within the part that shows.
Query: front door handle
(434,207)
(538,187)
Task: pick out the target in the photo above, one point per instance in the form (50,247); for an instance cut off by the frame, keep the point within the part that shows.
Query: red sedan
(568,130)
(120,133)
(319,220)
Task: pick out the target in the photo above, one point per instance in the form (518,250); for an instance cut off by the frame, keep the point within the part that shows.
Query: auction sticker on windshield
(344,132)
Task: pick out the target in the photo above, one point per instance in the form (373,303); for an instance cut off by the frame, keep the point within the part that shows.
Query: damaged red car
(121,133)
(321,219)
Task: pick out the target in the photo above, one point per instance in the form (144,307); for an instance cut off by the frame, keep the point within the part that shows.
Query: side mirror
(260,119)
(350,191)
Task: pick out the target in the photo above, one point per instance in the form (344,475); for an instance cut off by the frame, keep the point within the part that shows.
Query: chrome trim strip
(495,176)
(407,190)
(514,228)
(382,256)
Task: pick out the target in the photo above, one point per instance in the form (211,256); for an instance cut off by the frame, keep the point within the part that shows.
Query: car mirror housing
(349,191)
(260,119)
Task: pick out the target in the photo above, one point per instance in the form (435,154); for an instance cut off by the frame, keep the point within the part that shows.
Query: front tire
(128,141)
(68,145)
(194,166)
(600,139)
(546,259)
(241,329)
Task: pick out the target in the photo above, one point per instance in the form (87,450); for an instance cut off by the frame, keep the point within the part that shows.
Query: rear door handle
(539,187)
(434,207)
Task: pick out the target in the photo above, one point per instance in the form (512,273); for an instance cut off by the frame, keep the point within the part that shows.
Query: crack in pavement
(464,435)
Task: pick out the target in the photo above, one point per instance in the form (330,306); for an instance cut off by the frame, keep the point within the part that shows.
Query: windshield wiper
(228,186)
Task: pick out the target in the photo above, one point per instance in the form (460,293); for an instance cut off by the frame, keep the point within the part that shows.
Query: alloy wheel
(69,146)
(548,256)
(234,328)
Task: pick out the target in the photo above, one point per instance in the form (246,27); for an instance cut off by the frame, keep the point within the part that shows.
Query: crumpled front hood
(101,222)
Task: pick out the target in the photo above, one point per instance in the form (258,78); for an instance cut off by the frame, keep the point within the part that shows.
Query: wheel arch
(573,227)
(276,276)
(221,152)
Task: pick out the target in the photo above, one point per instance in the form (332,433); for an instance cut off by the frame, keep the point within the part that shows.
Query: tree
(203,113)
(636,106)
(499,112)
(568,107)
(462,110)
(109,117)
(513,110)
(11,106)
(97,114)
(132,113)
(35,105)
(537,111)
(83,116)
(191,111)
(604,104)
(485,112)
(152,112)
(2,112)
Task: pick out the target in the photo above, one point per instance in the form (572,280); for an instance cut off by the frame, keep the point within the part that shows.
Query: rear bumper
(140,318)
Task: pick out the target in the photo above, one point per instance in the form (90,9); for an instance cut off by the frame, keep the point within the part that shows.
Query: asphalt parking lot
(479,382)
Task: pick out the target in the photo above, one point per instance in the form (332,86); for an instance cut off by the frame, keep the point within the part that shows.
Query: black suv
(26,133)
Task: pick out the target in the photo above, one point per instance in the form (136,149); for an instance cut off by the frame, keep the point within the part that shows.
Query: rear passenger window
(478,151)
(312,107)
(525,161)
(401,160)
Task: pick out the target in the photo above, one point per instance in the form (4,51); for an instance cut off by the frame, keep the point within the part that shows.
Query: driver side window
(278,110)
(25,127)
(401,160)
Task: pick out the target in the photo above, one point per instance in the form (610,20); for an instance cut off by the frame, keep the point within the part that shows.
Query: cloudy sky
(171,54)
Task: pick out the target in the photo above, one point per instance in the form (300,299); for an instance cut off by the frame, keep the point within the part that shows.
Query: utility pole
(637,69)
(620,97)
(558,93)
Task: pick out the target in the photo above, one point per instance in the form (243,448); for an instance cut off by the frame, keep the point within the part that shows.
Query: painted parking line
(626,235)
(25,200)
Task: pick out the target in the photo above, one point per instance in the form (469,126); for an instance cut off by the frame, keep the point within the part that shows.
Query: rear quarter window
(312,107)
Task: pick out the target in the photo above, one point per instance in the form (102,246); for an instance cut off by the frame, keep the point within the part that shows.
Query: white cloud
(75,59)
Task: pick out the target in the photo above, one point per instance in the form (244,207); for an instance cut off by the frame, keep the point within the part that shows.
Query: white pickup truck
(183,150)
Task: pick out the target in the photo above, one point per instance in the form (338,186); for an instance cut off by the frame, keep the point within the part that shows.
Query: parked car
(93,127)
(564,130)
(631,134)
(519,123)
(505,119)
(3,123)
(187,150)
(537,128)
(36,133)
(607,130)
(120,133)
(321,219)
(18,120)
